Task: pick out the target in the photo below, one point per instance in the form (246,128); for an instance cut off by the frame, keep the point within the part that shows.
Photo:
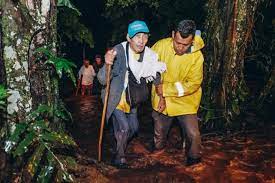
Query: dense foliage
(37,141)
(161,16)
(41,138)
(70,28)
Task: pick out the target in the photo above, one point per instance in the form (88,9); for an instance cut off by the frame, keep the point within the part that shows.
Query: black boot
(119,163)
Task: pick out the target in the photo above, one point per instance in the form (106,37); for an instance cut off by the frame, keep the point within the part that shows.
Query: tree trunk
(2,71)
(228,29)
(2,67)
(27,25)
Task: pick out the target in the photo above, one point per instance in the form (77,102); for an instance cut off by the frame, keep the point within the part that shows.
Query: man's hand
(162,104)
(110,57)
(159,90)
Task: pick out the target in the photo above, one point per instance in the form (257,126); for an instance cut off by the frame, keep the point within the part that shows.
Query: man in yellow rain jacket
(180,93)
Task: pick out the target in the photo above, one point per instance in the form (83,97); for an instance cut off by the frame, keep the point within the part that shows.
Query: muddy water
(236,158)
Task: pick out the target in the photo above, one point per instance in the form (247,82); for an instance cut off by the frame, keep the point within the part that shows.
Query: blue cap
(137,27)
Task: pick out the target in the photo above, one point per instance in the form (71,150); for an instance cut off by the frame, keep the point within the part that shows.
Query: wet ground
(240,157)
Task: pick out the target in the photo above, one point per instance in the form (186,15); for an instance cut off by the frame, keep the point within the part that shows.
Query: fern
(50,111)
(61,65)
(36,138)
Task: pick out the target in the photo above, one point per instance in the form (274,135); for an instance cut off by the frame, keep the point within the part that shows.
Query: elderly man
(130,60)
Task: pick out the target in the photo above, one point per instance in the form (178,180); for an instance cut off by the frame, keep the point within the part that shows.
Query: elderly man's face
(138,42)
(180,44)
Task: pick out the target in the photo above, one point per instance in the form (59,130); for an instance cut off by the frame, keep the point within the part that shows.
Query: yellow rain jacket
(183,78)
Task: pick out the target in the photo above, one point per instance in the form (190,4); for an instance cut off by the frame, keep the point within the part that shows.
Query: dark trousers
(189,126)
(125,126)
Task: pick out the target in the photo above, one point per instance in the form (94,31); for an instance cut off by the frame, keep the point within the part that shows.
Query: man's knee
(194,134)
(122,134)
(125,128)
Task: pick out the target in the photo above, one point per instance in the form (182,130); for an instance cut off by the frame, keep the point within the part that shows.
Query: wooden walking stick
(104,112)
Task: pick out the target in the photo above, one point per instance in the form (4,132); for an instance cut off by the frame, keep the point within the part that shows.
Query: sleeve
(80,72)
(157,81)
(93,71)
(101,75)
(190,85)
(157,48)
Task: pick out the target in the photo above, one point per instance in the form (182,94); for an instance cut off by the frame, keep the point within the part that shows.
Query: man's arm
(93,71)
(109,60)
(187,87)
(80,72)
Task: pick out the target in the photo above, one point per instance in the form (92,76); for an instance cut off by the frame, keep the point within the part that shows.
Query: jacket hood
(198,43)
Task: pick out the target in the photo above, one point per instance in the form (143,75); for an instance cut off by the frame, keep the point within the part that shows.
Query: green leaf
(3,92)
(62,113)
(45,51)
(19,129)
(39,125)
(58,137)
(15,136)
(3,96)
(42,109)
(50,62)
(23,145)
(64,65)
(35,159)
(61,64)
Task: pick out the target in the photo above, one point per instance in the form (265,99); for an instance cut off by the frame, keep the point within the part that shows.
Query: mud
(240,157)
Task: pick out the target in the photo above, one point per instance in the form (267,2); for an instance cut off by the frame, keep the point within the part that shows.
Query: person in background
(129,58)
(86,76)
(180,91)
(97,65)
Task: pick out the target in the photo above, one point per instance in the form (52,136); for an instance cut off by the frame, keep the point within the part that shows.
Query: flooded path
(240,158)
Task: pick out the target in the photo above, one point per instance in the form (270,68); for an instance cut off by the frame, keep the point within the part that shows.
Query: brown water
(236,158)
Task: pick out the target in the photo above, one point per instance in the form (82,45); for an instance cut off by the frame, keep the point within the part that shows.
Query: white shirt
(88,74)
(148,68)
